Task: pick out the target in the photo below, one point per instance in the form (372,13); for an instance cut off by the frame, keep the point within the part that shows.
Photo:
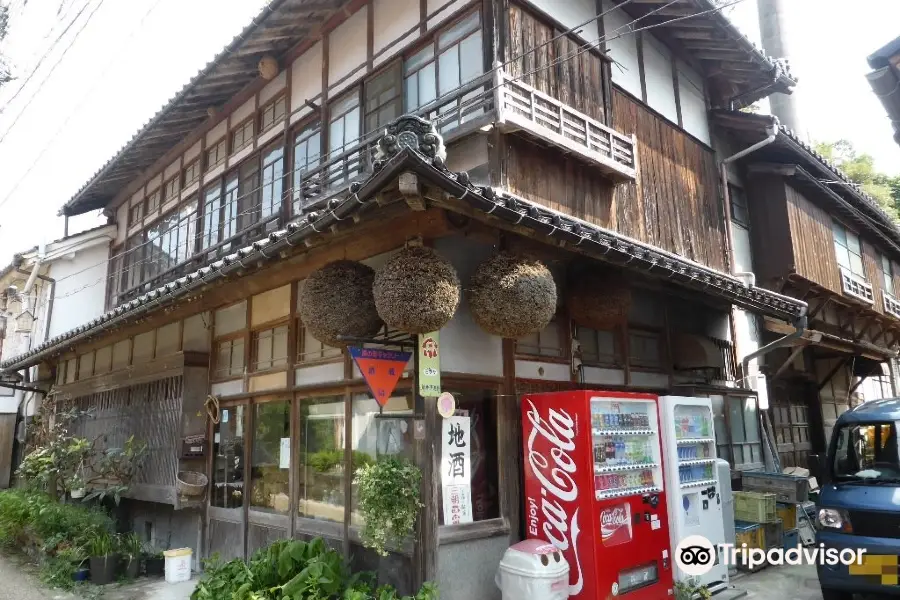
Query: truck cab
(859,502)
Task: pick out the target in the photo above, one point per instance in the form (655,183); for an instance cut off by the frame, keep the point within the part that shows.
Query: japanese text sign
(381,369)
(429,365)
(456,470)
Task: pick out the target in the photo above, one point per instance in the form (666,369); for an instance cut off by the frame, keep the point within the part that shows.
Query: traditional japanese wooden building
(577,133)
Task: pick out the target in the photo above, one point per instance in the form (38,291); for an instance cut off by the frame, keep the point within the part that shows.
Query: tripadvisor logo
(695,556)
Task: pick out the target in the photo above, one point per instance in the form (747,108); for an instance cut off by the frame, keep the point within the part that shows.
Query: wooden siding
(812,241)
(872,267)
(773,254)
(675,204)
(578,81)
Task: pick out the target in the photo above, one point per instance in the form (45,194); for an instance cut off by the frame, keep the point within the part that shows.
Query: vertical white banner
(456,470)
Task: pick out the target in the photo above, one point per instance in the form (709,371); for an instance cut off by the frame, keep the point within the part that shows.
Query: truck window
(867,451)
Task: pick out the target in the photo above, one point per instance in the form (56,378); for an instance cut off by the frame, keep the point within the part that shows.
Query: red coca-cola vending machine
(594,488)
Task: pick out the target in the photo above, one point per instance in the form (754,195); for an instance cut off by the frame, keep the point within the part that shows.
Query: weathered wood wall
(773,254)
(675,204)
(577,77)
(872,266)
(812,241)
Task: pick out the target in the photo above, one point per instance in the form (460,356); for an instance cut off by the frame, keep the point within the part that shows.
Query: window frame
(192,168)
(153,201)
(254,337)
(308,129)
(272,104)
(887,274)
(220,146)
(368,111)
(845,245)
(173,182)
(241,130)
(135,214)
(299,333)
(216,373)
(562,328)
(729,442)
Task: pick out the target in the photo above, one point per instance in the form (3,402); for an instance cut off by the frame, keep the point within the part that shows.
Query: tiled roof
(598,242)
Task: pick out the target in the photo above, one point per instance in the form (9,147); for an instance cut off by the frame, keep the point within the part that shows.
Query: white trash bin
(533,570)
(178,565)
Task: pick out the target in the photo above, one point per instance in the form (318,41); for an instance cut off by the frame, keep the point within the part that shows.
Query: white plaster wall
(80,296)
(214,134)
(446,9)
(243,111)
(347,47)
(273,87)
(693,102)
(192,153)
(393,19)
(172,169)
(626,70)
(306,78)
(658,78)
(465,347)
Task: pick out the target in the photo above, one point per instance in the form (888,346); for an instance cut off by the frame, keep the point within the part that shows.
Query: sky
(133,55)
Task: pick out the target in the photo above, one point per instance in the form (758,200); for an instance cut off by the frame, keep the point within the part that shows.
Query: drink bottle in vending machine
(594,488)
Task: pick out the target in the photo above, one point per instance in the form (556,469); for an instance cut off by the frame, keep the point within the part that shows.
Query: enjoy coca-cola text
(558,483)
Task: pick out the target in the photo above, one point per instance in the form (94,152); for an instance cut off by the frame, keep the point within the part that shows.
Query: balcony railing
(523,107)
(856,287)
(891,305)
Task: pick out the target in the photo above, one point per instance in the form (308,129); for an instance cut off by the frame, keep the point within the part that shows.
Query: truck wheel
(829,594)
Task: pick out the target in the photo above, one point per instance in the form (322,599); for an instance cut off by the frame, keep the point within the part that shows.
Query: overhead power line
(585,47)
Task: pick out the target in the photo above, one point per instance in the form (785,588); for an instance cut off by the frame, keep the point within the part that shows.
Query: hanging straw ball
(512,295)
(598,298)
(337,300)
(417,291)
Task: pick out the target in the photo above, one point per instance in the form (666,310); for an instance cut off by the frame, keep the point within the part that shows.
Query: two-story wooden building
(575,132)
(812,234)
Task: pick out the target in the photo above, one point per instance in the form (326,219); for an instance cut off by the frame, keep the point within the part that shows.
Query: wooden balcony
(521,107)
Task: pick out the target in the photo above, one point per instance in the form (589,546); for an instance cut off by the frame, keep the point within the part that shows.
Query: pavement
(19,581)
(798,582)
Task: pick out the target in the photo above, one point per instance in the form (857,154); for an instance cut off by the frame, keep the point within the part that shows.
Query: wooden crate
(788,515)
(753,535)
(788,488)
(773,534)
(755,507)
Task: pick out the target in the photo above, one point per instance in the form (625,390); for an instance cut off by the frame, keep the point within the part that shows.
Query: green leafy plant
(388,495)
(102,544)
(131,545)
(691,588)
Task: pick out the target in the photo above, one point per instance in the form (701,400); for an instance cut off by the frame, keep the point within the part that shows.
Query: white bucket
(178,565)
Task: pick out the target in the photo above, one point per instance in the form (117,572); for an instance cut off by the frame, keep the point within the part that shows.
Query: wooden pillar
(428,459)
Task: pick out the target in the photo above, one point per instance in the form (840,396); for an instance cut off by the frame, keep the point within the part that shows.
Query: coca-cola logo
(558,483)
(611,519)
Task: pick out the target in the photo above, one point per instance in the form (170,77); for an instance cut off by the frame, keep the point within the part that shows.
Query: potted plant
(77,486)
(77,556)
(691,589)
(103,559)
(131,555)
(154,561)
(389,501)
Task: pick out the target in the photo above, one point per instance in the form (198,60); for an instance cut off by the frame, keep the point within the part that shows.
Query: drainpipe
(49,312)
(772,131)
(34,271)
(800,324)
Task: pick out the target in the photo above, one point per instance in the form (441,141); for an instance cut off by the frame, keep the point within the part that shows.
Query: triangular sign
(381,369)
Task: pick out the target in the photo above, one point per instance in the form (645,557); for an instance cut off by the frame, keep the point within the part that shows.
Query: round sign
(695,555)
(446,405)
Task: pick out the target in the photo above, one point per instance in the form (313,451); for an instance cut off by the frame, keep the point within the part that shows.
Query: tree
(5,75)
(860,168)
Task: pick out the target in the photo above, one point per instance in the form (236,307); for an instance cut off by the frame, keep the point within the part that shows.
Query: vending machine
(594,488)
(694,494)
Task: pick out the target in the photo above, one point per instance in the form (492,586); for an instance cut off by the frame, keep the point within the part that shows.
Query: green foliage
(389,500)
(5,75)
(325,461)
(102,544)
(860,168)
(131,545)
(691,587)
(293,570)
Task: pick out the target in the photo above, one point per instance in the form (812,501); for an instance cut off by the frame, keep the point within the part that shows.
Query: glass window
(270,460)
(270,348)
(383,98)
(272,113)
(419,78)
(376,433)
(242,135)
(547,342)
(131,274)
(272,174)
(134,214)
(343,135)
(187,230)
(191,172)
(320,459)
(599,347)
(481,408)
(230,206)
(212,208)
(71,369)
(171,188)
(153,202)
(228,459)
(888,273)
(230,358)
(867,451)
(737,431)
(740,214)
(310,350)
(307,156)
(215,154)
(847,250)
(248,194)
(645,349)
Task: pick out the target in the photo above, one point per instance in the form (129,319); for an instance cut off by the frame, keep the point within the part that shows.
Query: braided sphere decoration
(512,295)
(336,300)
(599,299)
(417,291)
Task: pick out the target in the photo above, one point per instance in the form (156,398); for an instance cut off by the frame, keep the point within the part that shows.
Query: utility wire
(52,69)
(581,50)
